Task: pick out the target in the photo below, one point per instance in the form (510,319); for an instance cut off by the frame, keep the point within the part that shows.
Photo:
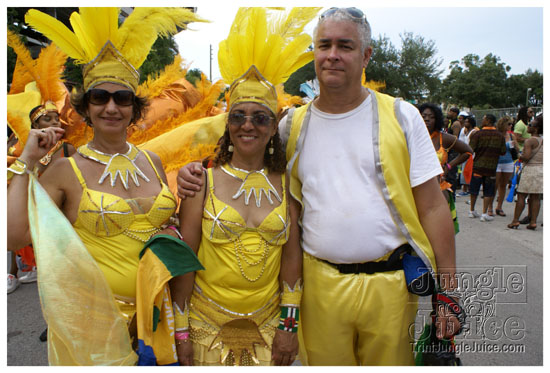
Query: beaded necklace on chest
(254,183)
(117,164)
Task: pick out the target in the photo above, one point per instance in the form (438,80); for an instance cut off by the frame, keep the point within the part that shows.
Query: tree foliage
(302,75)
(193,76)
(476,82)
(412,72)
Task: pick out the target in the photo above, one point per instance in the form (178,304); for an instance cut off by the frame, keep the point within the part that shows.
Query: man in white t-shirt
(362,316)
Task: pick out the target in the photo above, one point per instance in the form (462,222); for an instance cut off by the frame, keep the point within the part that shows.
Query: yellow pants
(355,319)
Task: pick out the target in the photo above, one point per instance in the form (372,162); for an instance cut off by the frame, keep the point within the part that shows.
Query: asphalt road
(500,275)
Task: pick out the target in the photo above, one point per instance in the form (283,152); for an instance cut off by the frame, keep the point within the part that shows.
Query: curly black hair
(80,102)
(438,126)
(275,162)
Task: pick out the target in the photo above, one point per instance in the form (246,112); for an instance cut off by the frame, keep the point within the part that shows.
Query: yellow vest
(392,165)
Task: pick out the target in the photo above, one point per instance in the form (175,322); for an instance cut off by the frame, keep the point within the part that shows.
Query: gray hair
(363,26)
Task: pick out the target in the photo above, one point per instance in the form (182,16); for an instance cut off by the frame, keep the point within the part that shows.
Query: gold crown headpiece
(35,82)
(110,53)
(43,110)
(263,48)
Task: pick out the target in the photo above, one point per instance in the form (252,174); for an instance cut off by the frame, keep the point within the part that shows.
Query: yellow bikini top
(221,223)
(107,215)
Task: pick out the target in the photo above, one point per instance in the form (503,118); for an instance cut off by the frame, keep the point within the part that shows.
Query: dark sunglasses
(98,96)
(258,119)
(353,12)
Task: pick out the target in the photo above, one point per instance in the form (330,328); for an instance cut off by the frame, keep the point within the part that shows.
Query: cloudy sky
(512,30)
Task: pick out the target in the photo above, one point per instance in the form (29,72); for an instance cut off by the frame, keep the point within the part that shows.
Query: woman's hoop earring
(271,150)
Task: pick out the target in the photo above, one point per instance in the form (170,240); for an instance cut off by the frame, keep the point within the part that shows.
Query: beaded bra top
(107,215)
(222,223)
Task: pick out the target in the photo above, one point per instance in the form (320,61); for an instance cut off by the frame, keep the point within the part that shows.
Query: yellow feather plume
(46,70)
(24,65)
(56,31)
(140,30)
(269,39)
(155,85)
(49,69)
(94,26)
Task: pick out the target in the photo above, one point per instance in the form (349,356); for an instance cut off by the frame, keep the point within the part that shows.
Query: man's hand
(189,180)
(185,353)
(285,347)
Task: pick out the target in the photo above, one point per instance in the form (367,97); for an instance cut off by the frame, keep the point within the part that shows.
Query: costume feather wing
(49,68)
(140,30)
(57,32)
(24,67)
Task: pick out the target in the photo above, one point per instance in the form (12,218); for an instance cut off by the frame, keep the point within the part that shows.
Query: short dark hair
(438,126)
(491,118)
(80,102)
(454,109)
(472,120)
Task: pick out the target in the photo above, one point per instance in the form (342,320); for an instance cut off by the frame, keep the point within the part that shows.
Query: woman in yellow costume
(35,89)
(97,257)
(243,309)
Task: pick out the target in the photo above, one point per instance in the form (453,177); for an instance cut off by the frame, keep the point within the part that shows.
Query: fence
(499,113)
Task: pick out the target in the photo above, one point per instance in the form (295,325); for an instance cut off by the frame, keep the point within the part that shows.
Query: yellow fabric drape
(88,329)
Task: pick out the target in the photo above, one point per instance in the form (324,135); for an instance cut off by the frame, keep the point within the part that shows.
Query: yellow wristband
(181,318)
(292,297)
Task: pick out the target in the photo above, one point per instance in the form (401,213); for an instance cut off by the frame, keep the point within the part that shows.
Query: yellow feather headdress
(264,47)
(108,52)
(35,83)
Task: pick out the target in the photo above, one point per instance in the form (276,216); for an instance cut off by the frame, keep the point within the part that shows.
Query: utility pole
(527,97)
(210,62)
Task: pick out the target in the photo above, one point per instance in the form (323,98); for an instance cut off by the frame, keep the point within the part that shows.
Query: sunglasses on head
(98,96)
(257,119)
(353,12)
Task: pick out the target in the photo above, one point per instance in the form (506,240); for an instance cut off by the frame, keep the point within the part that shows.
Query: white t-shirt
(346,219)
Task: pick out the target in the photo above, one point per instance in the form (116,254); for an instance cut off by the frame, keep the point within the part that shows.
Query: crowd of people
(501,149)
(251,266)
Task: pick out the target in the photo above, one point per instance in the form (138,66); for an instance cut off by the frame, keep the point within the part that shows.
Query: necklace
(241,251)
(116,164)
(253,182)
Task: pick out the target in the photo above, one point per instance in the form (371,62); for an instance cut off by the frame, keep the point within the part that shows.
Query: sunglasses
(258,119)
(98,96)
(353,12)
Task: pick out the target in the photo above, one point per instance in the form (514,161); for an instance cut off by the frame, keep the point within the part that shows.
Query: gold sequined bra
(222,223)
(107,215)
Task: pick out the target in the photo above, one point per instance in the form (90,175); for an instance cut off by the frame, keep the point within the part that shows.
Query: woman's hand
(285,347)
(39,144)
(185,353)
